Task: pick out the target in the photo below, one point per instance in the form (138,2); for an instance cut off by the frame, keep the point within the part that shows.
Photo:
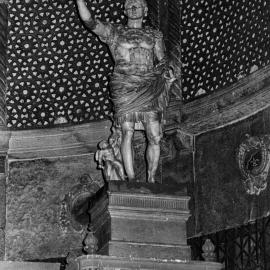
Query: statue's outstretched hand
(79,2)
(83,10)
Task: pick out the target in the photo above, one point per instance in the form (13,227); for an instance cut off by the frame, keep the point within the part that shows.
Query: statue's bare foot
(151,179)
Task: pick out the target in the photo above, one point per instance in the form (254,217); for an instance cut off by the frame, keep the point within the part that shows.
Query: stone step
(143,250)
(7,265)
(92,262)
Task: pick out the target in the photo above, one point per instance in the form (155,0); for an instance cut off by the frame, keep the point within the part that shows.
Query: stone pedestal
(141,221)
(141,226)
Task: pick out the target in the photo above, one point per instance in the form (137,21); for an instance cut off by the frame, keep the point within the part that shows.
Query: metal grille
(242,248)
(222,42)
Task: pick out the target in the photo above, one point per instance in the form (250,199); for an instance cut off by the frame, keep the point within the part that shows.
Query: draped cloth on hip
(135,97)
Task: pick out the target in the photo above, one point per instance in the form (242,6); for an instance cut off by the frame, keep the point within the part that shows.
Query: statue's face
(135,9)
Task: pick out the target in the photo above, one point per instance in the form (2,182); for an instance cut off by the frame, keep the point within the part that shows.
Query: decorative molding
(148,201)
(230,105)
(4,141)
(159,215)
(91,262)
(56,142)
(79,195)
(142,206)
(253,158)
(139,250)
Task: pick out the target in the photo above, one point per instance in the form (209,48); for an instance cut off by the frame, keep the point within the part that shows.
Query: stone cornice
(241,100)
(56,142)
(149,201)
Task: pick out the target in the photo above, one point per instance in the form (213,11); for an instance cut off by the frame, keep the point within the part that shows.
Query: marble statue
(139,86)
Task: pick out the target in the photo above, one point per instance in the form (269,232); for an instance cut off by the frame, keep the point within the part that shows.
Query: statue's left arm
(160,53)
(159,48)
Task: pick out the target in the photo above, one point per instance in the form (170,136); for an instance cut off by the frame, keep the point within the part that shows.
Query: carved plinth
(141,221)
(91,262)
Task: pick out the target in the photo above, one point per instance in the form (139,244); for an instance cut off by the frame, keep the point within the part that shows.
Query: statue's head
(138,6)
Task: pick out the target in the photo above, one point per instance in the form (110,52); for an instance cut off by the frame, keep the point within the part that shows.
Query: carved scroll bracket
(75,205)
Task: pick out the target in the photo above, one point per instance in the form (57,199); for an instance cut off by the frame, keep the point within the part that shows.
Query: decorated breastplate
(140,56)
(134,49)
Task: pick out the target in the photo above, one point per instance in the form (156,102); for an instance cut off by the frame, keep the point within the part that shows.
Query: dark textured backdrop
(221,200)
(58,71)
(3,59)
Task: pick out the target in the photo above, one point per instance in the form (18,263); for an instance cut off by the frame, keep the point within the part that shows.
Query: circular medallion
(254,160)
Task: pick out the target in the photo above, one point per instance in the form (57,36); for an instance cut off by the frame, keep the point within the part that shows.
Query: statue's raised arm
(159,48)
(98,27)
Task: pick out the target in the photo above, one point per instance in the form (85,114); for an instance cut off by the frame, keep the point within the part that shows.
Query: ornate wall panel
(174,24)
(222,200)
(58,71)
(222,42)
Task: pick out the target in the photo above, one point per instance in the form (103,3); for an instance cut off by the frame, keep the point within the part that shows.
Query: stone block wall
(41,197)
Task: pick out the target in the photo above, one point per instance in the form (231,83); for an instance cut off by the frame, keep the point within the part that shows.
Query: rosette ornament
(253,158)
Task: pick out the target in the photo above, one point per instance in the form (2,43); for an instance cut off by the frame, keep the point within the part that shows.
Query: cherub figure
(107,161)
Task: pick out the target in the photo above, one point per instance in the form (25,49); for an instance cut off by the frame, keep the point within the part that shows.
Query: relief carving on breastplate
(140,56)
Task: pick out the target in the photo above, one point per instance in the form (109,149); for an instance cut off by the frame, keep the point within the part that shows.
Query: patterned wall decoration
(222,42)
(58,71)
(3,58)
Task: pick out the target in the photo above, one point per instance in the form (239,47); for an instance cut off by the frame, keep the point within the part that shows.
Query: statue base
(141,226)
(141,220)
(93,262)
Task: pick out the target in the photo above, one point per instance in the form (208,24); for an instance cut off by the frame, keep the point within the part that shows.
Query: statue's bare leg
(153,148)
(126,148)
